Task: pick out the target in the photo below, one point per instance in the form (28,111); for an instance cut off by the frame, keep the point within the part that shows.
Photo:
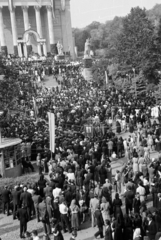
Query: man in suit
(6,199)
(36,200)
(16,201)
(129,198)
(100,223)
(48,190)
(26,200)
(44,217)
(151,228)
(23,218)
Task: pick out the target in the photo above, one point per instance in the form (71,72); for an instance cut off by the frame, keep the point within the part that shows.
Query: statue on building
(87,49)
(60,48)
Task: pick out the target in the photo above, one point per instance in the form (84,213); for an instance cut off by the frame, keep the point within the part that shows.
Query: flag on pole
(53,8)
(10,4)
(35,107)
(106,77)
(51,117)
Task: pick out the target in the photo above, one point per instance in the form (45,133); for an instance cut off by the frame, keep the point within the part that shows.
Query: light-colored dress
(105,210)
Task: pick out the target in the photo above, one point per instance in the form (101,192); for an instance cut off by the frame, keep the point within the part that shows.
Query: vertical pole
(0,136)
(50,135)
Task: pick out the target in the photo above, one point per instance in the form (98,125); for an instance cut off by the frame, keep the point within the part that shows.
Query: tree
(135,38)
(151,63)
(80,37)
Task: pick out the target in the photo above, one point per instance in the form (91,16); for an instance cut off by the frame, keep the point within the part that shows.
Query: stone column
(26,27)
(19,50)
(14,30)
(2,36)
(51,28)
(45,49)
(39,48)
(69,29)
(38,21)
(25,50)
(64,31)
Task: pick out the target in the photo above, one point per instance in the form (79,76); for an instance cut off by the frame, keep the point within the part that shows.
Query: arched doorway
(41,43)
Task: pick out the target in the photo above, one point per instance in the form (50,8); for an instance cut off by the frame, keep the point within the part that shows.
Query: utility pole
(135,82)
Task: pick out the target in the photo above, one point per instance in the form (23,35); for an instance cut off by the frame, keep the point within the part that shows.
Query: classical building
(35,25)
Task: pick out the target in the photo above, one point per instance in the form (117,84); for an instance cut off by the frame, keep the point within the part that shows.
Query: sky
(86,11)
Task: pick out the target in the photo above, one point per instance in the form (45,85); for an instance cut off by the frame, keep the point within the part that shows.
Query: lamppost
(1,125)
(135,82)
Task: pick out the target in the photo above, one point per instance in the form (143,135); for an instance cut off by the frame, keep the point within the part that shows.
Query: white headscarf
(137,233)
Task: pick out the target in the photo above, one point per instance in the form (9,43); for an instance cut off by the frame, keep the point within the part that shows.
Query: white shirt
(71,176)
(36,238)
(56,192)
(63,209)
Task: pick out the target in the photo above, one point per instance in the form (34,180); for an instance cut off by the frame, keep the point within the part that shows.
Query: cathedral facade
(35,25)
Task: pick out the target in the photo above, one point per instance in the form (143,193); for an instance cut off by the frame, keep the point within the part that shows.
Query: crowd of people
(89,120)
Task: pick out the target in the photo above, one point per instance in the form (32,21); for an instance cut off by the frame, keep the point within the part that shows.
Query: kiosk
(10,157)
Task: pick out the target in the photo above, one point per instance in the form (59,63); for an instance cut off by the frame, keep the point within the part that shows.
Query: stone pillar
(38,21)
(19,50)
(45,49)
(26,27)
(51,28)
(39,49)
(2,36)
(14,30)
(64,31)
(25,50)
(69,29)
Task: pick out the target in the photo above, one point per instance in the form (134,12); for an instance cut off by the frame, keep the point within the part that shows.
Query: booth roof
(9,142)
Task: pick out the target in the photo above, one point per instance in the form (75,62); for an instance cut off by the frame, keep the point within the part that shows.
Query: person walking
(100,222)
(6,194)
(22,216)
(93,203)
(26,199)
(64,216)
(16,201)
(44,217)
(74,215)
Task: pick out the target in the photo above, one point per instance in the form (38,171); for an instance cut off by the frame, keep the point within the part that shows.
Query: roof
(8,142)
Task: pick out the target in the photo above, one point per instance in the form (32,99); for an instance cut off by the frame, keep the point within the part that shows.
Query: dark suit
(6,200)
(36,200)
(23,218)
(129,197)
(26,200)
(100,223)
(151,228)
(48,191)
(16,201)
(44,217)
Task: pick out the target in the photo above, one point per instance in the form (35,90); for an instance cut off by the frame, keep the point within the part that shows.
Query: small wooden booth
(10,157)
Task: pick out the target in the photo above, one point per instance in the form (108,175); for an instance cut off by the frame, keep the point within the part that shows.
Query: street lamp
(1,124)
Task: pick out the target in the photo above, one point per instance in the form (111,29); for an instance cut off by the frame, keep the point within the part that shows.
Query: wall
(13,172)
(62,26)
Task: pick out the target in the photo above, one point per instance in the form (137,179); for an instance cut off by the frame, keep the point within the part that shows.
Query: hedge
(11,182)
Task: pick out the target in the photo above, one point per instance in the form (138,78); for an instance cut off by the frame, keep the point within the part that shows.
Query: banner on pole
(35,108)
(106,77)
(51,117)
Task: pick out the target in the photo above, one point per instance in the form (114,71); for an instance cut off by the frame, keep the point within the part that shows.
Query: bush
(11,182)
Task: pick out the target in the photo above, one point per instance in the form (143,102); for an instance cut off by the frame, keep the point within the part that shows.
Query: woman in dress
(105,209)
(117,203)
(74,215)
